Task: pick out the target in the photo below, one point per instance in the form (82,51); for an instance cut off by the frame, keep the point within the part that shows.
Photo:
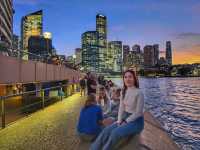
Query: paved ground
(54,129)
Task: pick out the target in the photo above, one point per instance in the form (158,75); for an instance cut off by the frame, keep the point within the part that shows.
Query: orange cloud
(189,56)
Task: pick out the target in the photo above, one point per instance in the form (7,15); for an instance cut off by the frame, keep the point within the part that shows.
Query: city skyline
(133,22)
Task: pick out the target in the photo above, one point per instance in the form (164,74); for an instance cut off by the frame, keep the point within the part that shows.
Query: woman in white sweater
(130,116)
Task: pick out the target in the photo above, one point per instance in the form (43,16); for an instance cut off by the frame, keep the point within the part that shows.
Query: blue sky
(131,21)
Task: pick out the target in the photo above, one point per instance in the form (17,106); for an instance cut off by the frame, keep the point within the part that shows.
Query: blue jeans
(109,137)
(87,137)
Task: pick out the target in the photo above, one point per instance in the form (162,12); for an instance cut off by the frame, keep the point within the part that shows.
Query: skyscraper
(151,55)
(136,48)
(115,56)
(31,25)
(78,53)
(169,53)
(39,45)
(101,28)
(90,51)
(15,42)
(6,22)
(156,54)
(148,56)
(126,50)
(110,56)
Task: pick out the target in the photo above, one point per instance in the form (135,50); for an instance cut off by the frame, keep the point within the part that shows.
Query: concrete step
(153,137)
(54,128)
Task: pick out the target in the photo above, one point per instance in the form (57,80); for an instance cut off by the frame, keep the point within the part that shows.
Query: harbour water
(175,102)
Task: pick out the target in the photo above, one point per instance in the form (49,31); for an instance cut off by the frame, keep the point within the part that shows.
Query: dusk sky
(131,21)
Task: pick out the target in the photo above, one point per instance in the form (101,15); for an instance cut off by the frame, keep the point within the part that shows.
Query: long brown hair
(105,98)
(91,99)
(136,82)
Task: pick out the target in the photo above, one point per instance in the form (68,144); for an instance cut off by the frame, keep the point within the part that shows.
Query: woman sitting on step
(115,101)
(103,100)
(90,119)
(130,116)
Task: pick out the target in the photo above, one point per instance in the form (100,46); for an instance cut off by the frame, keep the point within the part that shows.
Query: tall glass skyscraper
(156,53)
(101,28)
(169,53)
(148,56)
(115,56)
(31,25)
(94,47)
(6,22)
(90,51)
(39,45)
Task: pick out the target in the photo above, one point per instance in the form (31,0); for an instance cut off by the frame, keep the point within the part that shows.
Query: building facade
(101,28)
(115,56)
(15,42)
(90,52)
(134,60)
(151,55)
(156,54)
(31,25)
(126,50)
(148,56)
(168,53)
(6,23)
(136,48)
(40,46)
(78,53)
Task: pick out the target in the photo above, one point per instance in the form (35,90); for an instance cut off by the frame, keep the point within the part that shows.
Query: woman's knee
(115,134)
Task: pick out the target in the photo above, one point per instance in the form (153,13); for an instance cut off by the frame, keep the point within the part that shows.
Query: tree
(184,71)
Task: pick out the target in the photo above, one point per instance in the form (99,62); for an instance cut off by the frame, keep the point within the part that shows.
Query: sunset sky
(131,21)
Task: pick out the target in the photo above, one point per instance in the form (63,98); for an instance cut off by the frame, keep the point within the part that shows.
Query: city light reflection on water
(175,102)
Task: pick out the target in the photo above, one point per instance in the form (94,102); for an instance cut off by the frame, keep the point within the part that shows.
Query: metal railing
(41,102)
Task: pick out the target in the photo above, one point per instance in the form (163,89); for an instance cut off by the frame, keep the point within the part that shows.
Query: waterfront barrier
(14,70)
(31,101)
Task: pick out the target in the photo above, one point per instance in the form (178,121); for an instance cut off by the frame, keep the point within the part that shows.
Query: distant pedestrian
(83,86)
(101,80)
(90,120)
(91,84)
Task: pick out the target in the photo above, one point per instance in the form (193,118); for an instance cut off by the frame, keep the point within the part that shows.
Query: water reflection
(175,102)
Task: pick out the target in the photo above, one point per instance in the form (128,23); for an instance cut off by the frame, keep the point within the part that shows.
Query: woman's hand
(107,121)
(123,122)
(98,100)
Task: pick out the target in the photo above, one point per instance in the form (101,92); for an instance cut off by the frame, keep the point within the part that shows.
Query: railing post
(67,90)
(61,93)
(3,117)
(42,98)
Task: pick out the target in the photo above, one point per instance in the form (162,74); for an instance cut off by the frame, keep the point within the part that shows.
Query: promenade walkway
(54,129)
